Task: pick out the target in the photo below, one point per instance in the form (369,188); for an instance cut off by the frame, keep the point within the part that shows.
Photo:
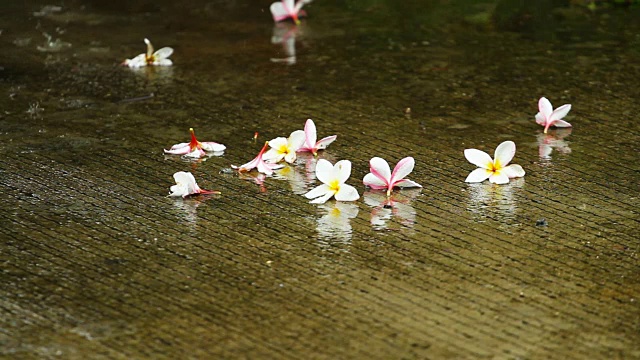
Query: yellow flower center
(334,185)
(284,149)
(495,166)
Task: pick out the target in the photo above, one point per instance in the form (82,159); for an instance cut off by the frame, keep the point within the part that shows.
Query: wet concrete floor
(98,263)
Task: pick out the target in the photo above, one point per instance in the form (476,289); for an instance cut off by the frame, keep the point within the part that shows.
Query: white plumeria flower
(259,163)
(310,143)
(186,186)
(333,178)
(548,117)
(151,58)
(381,176)
(282,10)
(283,148)
(195,148)
(496,170)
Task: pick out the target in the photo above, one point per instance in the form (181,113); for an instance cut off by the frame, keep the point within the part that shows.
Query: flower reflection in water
(335,225)
(393,212)
(553,140)
(488,200)
(285,34)
(301,178)
(186,210)
(257,178)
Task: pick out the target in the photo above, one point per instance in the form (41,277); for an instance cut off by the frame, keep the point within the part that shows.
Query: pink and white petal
(310,134)
(278,11)
(212,146)
(163,62)
(163,53)
(289,5)
(347,193)
(305,149)
(374,182)
(513,171)
(196,154)
(560,112)
(324,171)
(504,153)
(342,171)
(178,151)
(478,175)
(478,158)
(298,6)
(317,191)
(403,168)
(404,183)
(296,140)
(499,177)
(324,142)
(265,168)
(380,167)
(540,119)
(545,107)
(561,124)
(179,145)
(273,155)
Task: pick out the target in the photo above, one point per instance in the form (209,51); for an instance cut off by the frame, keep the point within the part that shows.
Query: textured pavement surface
(98,263)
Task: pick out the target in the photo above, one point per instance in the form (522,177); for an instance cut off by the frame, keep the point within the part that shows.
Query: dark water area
(97,261)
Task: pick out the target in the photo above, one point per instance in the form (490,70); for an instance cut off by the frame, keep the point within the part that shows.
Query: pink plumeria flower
(151,58)
(282,10)
(285,148)
(548,117)
(333,178)
(259,163)
(311,136)
(381,176)
(496,170)
(195,148)
(186,186)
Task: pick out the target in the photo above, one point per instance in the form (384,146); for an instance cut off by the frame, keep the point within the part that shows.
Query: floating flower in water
(548,117)
(282,10)
(195,148)
(285,148)
(333,178)
(311,136)
(381,176)
(496,170)
(259,163)
(151,58)
(186,185)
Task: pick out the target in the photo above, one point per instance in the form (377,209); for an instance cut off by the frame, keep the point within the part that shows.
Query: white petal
(342,171)
(273,155)
(187,181)
(323,199)
(178,150)
(374,182)
(179,145)
(163,53)
(560,112)
(196,154)
(163,62)
(380,168)
(402,169)
(347,193)
(318,191)
(404,183)
(540,119)
(290,157)
(296,140)
(324,171)
(278,11)
(212,146)
(514,171)
(545,107)
(136,62)
(499,177)
(278,142)
(478,158)
(504,153)
(478,175)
